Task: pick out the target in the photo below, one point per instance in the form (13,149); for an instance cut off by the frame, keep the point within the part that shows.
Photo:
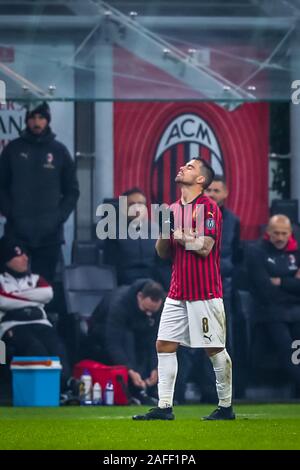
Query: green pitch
(256,427)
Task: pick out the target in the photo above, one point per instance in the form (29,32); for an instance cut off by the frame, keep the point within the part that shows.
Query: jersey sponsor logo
(187,136)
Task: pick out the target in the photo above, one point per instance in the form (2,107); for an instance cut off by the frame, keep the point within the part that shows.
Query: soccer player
(193,313)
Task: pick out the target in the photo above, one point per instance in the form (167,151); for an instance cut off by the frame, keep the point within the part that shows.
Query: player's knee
(166,346)
(213,351)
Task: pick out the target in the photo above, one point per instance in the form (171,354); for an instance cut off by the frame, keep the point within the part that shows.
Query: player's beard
(179,180)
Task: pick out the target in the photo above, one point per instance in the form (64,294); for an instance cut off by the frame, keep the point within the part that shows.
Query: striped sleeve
(211,219)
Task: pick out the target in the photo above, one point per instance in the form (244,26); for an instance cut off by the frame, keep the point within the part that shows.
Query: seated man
(24,326)
(136,258)
(274,273)
(125,325)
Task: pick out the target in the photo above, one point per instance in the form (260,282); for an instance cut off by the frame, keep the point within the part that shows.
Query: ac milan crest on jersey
(185,137)
(292,262)
(50,159)
(18,251)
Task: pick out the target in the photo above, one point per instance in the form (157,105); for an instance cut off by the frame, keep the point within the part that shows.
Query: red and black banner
(152,140)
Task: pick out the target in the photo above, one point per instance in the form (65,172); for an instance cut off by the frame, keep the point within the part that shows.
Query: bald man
(274,272)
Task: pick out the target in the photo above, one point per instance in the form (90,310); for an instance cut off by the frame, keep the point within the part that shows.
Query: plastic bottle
(86,389)
(97,394)
(109,393)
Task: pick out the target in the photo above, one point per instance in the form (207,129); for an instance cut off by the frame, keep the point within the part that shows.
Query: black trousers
(36,340)
(280,336)
(229,312)
(44,261)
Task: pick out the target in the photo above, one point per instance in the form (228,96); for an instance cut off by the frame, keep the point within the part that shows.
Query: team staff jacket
(230,245)
(195,277)
(38,188)
(22,296)
(133,258)
(129,333)
(136,259)
(265,261)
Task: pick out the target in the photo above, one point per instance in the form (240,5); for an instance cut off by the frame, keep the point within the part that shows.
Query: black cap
(41,108)
(9,249)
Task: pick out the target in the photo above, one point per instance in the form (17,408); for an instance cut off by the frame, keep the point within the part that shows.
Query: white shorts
(197,324)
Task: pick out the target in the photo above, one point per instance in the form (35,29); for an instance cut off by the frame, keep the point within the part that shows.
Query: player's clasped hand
(185,236)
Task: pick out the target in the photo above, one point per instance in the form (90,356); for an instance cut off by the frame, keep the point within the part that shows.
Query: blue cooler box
(36,381)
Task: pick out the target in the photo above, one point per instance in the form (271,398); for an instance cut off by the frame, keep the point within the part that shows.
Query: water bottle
(86,388)
(97,394)
(109,393)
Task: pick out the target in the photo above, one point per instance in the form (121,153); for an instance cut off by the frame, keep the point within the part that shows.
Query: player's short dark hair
(220,179)
(134,190)
(153,290)
(206,171)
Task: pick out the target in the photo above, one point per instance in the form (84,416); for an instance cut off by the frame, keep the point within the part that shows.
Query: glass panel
(222,51)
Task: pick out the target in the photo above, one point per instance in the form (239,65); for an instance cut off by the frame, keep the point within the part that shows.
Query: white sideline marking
(102,417)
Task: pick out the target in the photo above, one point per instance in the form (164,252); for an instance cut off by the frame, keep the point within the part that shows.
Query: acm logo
(187,136)
(2,352)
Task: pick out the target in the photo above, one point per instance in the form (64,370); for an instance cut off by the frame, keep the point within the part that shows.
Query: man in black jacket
(38,190)
(230,248)
(136,258)
(230,252)
(274,274)
(126,325)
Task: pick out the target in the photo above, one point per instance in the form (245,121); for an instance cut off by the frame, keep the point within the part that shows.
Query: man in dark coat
(136,258)
(274,273)
(38,190)
(230,248)
(124,329)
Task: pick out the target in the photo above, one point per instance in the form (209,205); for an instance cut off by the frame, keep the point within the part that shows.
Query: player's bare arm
(163,248)
(202,246)
(207,245)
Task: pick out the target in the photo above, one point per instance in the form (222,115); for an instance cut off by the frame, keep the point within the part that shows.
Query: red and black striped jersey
(195,277)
